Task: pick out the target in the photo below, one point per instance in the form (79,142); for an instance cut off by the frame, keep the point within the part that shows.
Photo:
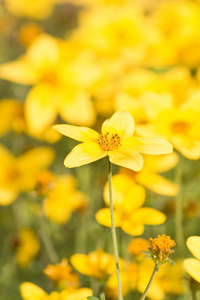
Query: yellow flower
(148,175)
(179,124)
(192,265)
(26,246)
(18,174)
(161,248)
(62,274)
(128,198)
(136,246)
(53,92)
(116,141)
(97,264)
(57,206)
(30,291)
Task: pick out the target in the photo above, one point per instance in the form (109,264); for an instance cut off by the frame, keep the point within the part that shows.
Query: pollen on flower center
(161,247)
(109,142)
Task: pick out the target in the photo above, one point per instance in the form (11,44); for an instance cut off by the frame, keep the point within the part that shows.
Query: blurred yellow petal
(103,217)
(193,244)
(38,53)
(18,71)
(188,147)
(192,267)
(80,294)
(156,103)
(161,163)
(121,123)
(82,134)
(40,108)
(7,196)
(78,108)
(132,228)
(153,146)
(36,159)
(157,183)
(30,291)
(149,216)
(83,154)
(126,157)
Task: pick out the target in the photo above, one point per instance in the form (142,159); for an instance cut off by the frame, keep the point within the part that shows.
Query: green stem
(113,231)
(150,282)
(45,235)
(179,214)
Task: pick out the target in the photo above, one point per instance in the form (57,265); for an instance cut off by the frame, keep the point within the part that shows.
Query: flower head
(161,248)
(116,141)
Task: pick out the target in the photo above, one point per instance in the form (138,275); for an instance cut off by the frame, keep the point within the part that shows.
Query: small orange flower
(62,274)
(161,248)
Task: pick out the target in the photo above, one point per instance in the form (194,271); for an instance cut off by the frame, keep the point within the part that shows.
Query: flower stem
(113,231)
(150,282)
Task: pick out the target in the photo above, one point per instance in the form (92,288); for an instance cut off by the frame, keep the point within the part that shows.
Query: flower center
(109,142)
(180,127)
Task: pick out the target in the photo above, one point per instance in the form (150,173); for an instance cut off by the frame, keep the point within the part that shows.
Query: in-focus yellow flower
(30,291)
(26,246)
(63,199)
(116,141)
(192,265)
(179,124)
(63,276)
(129,215)
(97,264)
(18,174)
(148,175)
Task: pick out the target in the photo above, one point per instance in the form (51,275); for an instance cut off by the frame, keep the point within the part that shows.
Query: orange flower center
(161,247)
(109,142)
(180,127)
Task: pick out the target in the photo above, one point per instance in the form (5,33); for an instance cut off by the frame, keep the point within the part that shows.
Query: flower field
(99,150)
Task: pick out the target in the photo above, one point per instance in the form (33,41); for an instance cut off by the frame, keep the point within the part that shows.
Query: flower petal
(126,157)
(121,123)
(193,244)
(157,183)
(103,217)
(132,228)
(153,146)
(30,291)
(18,71)
(40,108)
(82,134)
(83,154)
(192,267)
(149,216)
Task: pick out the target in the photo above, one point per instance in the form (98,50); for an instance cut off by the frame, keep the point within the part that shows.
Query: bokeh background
(78,62)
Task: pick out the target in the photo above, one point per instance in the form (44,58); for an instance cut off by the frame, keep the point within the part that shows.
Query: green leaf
(102,296)
(92,298)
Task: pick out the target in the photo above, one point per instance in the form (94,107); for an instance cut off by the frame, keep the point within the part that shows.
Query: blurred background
(78,62)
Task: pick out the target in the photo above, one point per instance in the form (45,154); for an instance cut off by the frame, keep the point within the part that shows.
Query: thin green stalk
(46,238)
(113,231)
(150,282)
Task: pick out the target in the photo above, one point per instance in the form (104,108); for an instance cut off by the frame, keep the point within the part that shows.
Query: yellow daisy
(116,141)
